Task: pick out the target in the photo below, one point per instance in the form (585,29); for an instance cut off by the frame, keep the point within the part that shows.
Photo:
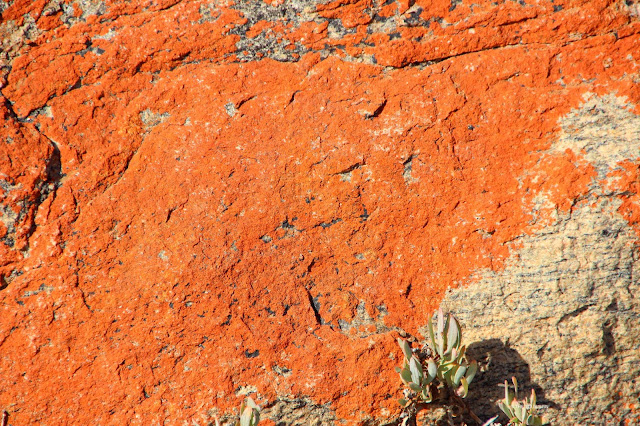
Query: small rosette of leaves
(249,413)
(414,375)
(445,341)
(520,412)
(445,361)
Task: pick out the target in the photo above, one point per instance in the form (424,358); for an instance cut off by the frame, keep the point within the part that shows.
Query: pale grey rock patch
(604,130)
(299,411)
(564,314)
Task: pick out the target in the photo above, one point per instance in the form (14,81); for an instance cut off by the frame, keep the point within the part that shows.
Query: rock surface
(567,303)
(201,200)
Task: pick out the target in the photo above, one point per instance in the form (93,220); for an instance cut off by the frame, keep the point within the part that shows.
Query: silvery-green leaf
(403,402)
(414,387)
(508,396)
(246,417)
(405,375)
(432,368)
(453,332)
(444,331)
(416,370)
(459,374)
(440,333)
(398,370)
(418,365)
(406,348)
(519,411)
(251,403)
(505,409)
(533,400)
(432,335)
(452,354)
(471,372)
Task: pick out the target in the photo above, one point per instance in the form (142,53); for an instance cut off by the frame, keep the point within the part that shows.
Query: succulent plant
(442,365)
(249,413)
(520,412)
(453,368)
(414,375)
(445,361)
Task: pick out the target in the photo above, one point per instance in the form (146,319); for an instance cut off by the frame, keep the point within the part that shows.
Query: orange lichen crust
(200,218)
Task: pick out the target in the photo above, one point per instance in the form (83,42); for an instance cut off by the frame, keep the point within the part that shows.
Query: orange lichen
(220,221)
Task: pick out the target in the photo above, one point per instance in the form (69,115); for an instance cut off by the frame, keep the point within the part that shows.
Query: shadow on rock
(498,362)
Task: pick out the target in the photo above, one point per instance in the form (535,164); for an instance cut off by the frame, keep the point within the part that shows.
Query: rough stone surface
(201,200)
(567,302)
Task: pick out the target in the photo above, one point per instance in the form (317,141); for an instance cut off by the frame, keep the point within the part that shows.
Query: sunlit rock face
(205,200)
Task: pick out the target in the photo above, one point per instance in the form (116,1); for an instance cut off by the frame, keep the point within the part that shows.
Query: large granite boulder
(202,200)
